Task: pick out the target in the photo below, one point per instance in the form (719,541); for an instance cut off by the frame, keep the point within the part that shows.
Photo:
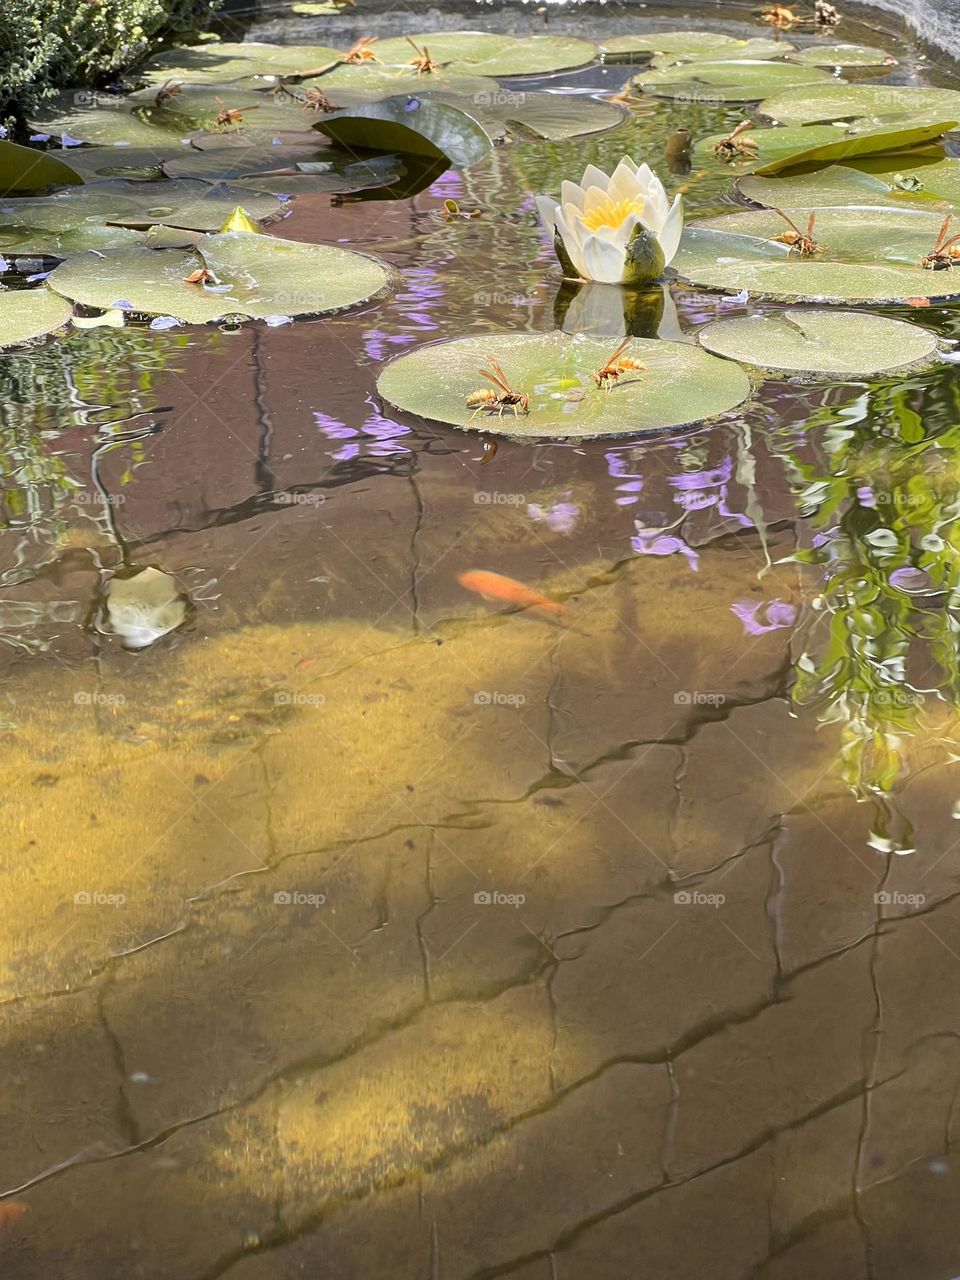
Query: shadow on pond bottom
(358,925)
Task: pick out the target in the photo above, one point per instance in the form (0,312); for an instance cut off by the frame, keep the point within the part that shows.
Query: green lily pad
(182,202)
(27,169)
(445,47)
(287,277)
(151,281)
(684,44)
(137,120)
(267,276)
(832,343)
(552,117)
(297,165)
(760,47)
(682,385)
(352,86)
(538,55)
(219,63)
(871,256)
(732,81)
(892,183)
(842,55)
(837,101)
(787,148)
(131,164)
(30,313)
(410,125)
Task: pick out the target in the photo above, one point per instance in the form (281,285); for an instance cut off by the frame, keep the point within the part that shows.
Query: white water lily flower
(619,229)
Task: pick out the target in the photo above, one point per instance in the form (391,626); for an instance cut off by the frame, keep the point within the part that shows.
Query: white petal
(620,236)
(572,237)
(603,260)
(594,196)
(547,209)
(571,193)
(623,183)
(594,177)
(631,164)
(669,237)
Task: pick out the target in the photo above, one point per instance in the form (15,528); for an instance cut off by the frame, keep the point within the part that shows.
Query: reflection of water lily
(760,616)
(657,542)
(559,517)
(619,229)
(144,607)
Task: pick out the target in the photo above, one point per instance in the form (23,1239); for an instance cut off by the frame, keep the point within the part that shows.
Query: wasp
(505,397)
(230,115)
(169,89)
(780,17)
(618,364)
(361,51)
(945,253)
(803,242)
(422,63)
(735,144)
(317,100)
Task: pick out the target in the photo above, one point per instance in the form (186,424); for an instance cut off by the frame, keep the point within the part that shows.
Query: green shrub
(46,45)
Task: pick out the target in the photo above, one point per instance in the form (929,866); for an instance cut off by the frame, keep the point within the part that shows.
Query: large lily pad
(137,120)
(27,169)
(219,63)
(832,343)
(410,125)
(267,276)
(295,165)
(897,181)
(30,313)
(733,81)
(760,47)
(536,55)
(682,44)
(287,277)
(552,117)
(135,164)
(787,148)
(446,47)
(100,215)
(682,385)
(837,101)
(842,55)
(182,202)
(351,86)
(872,256)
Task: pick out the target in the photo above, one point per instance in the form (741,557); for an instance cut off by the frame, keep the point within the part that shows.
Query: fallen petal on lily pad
(30,313)
(679,385)
(831,343)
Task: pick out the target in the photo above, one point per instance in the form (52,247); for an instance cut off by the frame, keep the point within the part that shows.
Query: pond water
(357,926)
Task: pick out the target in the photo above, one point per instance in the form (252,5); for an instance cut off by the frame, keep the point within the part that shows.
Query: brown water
(359,928)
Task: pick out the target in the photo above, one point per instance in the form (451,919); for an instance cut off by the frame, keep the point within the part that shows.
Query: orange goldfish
(12,1211)
(494,586)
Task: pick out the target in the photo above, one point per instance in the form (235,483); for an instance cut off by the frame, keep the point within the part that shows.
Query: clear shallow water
(357,928)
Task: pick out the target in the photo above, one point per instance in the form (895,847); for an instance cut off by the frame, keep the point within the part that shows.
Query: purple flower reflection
(653,542)
(912,581)
(699,489)
(760,616)
(632,480)
(382,436)
(559,517)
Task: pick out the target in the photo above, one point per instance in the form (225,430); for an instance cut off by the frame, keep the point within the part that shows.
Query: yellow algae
(449,1080)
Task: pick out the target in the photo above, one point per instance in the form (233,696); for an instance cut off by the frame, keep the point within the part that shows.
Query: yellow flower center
(609,214)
